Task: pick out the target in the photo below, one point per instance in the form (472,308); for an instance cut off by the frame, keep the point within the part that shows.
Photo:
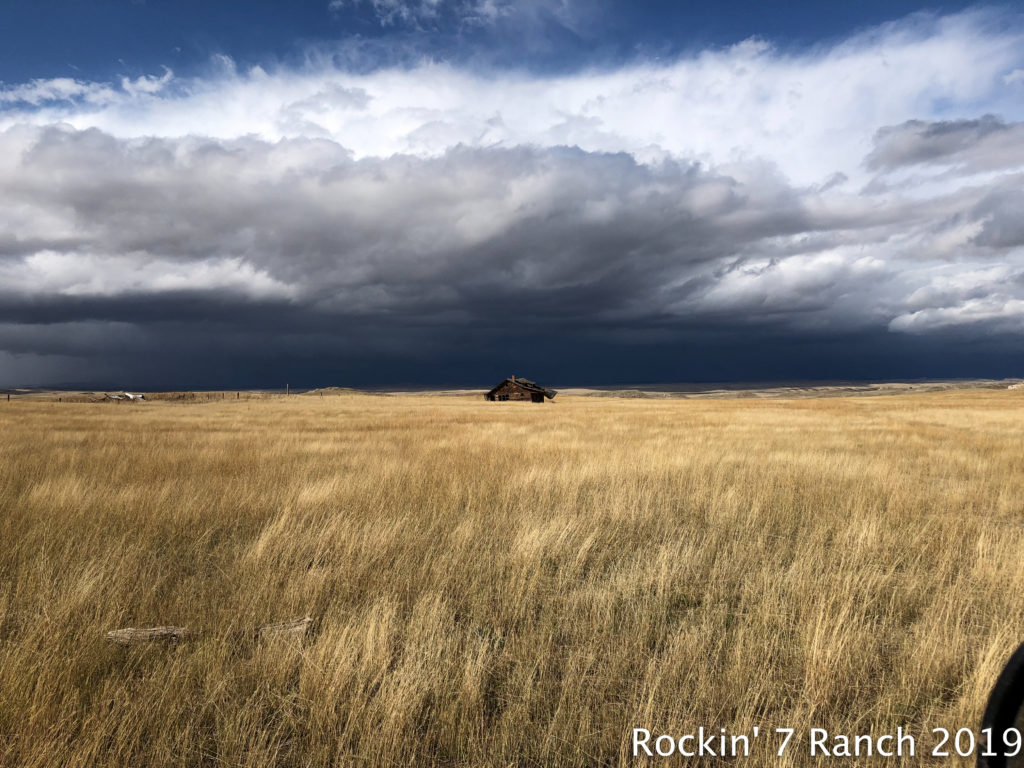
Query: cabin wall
(509,391)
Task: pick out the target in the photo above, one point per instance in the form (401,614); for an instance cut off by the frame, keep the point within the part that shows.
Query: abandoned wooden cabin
(514,388)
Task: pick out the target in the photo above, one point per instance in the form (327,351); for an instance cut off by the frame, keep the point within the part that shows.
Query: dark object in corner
(1005,710)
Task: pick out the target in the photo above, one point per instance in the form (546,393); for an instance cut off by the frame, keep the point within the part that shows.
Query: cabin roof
(529,386)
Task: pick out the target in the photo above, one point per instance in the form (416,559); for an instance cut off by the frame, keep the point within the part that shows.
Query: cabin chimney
(513,379)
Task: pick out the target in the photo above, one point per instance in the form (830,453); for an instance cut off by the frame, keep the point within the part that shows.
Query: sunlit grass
(500,583)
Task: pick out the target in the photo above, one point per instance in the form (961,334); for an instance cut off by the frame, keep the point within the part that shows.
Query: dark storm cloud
(161,255)
(554,231)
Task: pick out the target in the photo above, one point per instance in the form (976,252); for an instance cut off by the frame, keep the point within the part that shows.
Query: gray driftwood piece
(293,630)
(133,636)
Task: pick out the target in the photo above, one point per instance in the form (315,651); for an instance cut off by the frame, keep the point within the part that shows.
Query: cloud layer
(404,220)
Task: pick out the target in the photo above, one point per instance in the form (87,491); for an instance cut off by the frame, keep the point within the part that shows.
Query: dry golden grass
(501,584)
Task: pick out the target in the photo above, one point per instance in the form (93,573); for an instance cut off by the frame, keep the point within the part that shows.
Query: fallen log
(294,629)
(133,636)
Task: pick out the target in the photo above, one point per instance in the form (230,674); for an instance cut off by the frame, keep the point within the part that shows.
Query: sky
(383,193)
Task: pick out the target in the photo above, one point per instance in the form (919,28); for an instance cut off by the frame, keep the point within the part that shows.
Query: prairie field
(502,584)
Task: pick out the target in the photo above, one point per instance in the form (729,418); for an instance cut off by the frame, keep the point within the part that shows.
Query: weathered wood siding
(510,391)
